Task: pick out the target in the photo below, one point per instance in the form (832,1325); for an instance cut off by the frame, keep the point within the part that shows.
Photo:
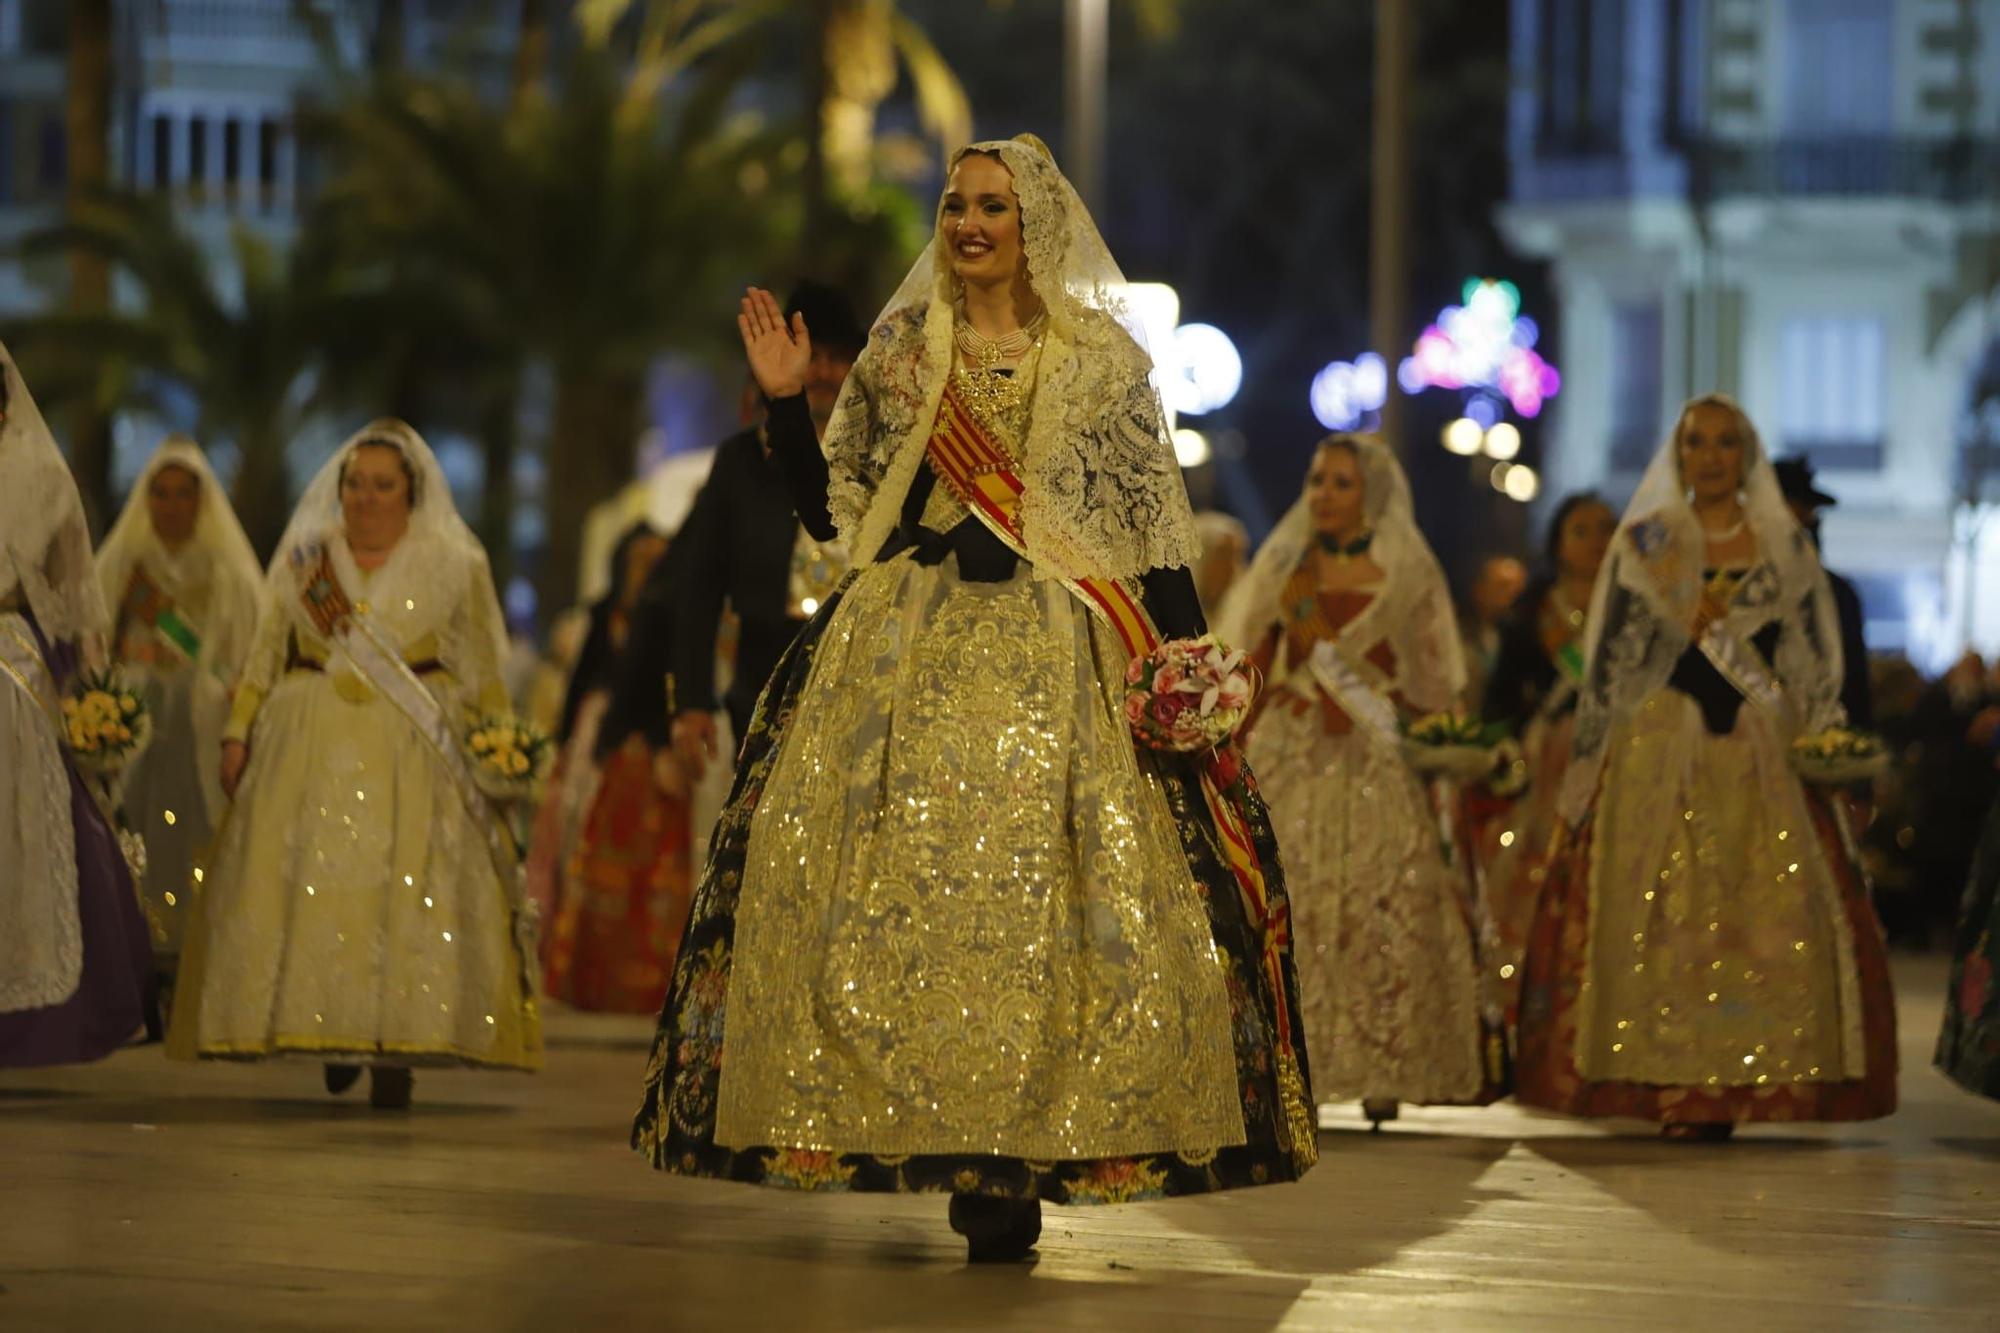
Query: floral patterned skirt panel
(624,895)
(939,948)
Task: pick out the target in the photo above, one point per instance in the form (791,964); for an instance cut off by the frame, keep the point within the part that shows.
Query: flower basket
(1837,757)
(1451,746)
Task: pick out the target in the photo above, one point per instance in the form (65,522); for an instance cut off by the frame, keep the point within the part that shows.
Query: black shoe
(996,1230)
(339,1078)
(1698,1131)
(389,1087)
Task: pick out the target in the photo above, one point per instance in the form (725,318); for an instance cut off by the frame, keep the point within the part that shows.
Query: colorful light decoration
(1484,344)
(1345,392)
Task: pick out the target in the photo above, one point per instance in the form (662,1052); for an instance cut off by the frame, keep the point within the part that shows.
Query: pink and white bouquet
(1188,694)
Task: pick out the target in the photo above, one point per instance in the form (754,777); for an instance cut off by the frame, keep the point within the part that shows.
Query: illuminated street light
(1503,441)
(1463,437)
(1521,483)
(1206,373)
(1191,447)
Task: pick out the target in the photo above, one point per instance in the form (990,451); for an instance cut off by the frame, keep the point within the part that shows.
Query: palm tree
(241,356)
(87,132)
(589,232)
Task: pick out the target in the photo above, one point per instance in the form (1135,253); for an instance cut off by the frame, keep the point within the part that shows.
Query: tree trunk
(263,491)
(87,128)
(500,432)
(589,459)
(819,97)
(531,51)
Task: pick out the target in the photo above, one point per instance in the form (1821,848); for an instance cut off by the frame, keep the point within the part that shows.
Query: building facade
(1796,202)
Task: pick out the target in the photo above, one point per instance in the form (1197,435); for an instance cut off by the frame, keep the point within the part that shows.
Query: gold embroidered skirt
(966,923)
(1720,954)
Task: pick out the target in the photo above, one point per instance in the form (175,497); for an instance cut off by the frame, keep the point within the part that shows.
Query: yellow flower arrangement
(104,724)
(1837,756)
(509,757)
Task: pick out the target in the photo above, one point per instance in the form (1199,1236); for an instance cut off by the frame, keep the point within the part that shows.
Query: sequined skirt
(1705,949)
(351,909)
(954,933)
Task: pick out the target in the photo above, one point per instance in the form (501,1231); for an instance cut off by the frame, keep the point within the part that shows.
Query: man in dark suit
(1795,479)
(741,545)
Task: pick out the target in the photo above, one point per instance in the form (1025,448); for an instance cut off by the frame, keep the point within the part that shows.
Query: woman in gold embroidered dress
(182,584)
(1348,613)
(363,902)
(956,932)
(1704,951)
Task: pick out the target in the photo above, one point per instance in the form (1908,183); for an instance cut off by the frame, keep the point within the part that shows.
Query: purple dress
(110,1000)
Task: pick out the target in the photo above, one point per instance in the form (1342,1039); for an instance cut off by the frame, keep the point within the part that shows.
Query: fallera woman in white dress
(182,584)
(364,904)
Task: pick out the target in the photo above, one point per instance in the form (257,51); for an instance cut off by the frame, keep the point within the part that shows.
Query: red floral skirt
(623,897)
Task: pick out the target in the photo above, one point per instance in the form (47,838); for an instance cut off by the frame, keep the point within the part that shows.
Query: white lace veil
(425,583)
(1414,601)
(1651,584)
(1104,492)
(47,542)
(233,568)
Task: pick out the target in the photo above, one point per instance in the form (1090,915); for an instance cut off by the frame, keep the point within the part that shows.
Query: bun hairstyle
(382,439)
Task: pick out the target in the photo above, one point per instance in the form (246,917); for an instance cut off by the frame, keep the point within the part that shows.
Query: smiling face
(1336,494)
(1583,538)
(979,222)
(1711,445)
(173,502)
(375,496)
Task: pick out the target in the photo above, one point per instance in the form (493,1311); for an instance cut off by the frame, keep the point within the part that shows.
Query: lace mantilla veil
(1651,583)
(1104,495)
(1414,600)
(216,533)
(47,541)
(427,578)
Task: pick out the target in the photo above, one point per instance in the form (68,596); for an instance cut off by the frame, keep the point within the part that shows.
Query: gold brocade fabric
(1719,954)
(966,922)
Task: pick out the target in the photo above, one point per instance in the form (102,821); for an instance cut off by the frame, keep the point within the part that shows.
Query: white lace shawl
(218,546)
(1651,583)
(1411,610)
(1104,492)
(435,582)
(46,541)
